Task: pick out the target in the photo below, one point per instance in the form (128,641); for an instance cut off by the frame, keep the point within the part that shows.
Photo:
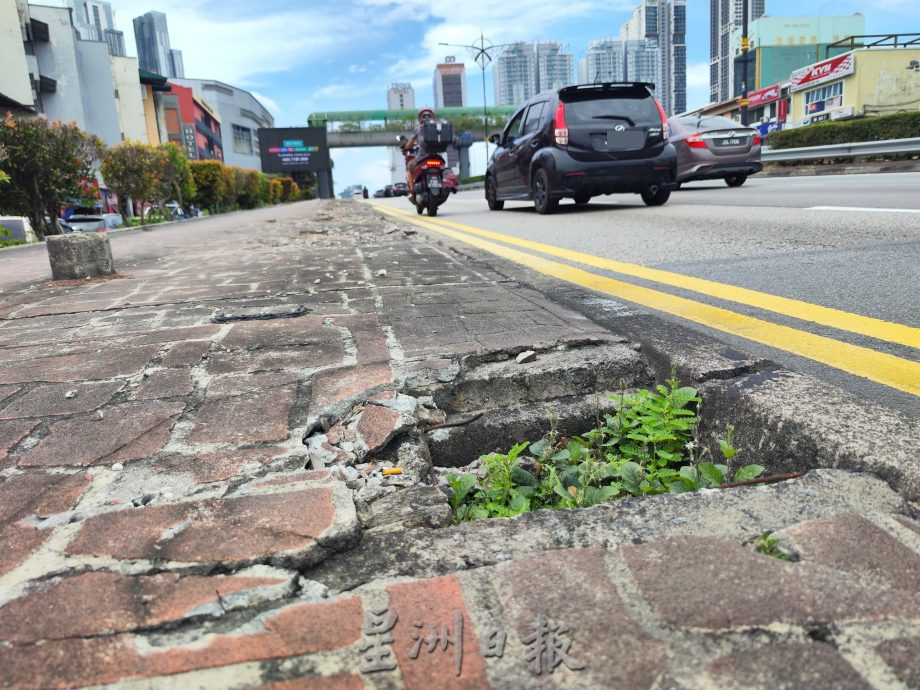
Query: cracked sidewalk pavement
(164,524)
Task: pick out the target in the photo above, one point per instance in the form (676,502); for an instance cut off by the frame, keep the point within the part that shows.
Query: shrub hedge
(878,128)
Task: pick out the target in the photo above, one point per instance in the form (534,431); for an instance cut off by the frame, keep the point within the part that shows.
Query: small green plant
(647,445)
(768,544)
(4,238)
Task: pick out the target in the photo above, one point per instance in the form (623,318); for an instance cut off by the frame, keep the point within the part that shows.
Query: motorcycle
(432,181)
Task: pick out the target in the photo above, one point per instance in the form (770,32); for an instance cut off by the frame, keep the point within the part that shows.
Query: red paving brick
(251,417)
(753,589)
(17,543)
(231,529)
(93,604)
(167,383)
(571,587)
(292,631)
(12,433)
(130,431)
(51,400)
(331,683)
(377,426)
(852,544)
(903,656)
(336,386)
(40,494)
(186,354)
(216,467)
(433,602)
(108,363)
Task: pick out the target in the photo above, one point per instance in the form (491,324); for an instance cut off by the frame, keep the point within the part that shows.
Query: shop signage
(764,96)
(822,72)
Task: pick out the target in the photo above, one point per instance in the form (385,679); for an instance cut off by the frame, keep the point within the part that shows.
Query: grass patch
(647,445)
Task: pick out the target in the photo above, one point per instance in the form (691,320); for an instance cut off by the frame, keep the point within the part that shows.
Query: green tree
(209,184)
(174,174)
(45,163)
(132,170)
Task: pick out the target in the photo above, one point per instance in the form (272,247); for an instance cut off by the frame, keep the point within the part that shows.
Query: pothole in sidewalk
(581,424)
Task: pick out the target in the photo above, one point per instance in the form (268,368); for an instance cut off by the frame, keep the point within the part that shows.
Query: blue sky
(300,56)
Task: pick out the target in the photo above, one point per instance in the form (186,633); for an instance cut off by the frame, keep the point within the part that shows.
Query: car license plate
(728,142)
(621,141)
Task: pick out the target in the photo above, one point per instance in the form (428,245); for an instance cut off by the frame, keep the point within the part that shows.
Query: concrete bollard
(80,255)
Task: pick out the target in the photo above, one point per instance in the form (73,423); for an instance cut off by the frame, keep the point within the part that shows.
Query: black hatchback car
(583,141)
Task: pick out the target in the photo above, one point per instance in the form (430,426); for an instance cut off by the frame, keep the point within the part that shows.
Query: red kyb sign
(764,96)
(835,68)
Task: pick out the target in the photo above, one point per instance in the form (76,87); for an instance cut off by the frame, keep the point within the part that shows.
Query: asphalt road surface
(820,273)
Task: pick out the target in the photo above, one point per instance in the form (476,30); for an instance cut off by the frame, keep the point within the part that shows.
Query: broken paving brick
(229,530)
(108,363)
(219,466)
(102,603)
(336,386)
(39,494)
(295,630)
(130,431)
(252,417)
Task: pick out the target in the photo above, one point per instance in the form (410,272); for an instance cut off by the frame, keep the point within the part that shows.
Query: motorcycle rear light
(433,164)
(561,131)
(695,141)
(665,127)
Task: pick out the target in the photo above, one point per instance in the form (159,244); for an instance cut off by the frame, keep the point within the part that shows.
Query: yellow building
(876,81)
(152,85)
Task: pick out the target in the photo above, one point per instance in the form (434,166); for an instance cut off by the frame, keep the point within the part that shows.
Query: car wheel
(543,201)
(582,199)
(656,198)
(492,195)
(735,180)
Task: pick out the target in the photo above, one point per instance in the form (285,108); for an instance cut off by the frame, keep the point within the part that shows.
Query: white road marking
(862,209)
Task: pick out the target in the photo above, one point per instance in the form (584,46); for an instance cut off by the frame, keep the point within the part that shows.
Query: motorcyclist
(425,116)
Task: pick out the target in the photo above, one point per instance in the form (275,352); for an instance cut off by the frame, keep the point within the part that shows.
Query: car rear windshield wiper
(614,117)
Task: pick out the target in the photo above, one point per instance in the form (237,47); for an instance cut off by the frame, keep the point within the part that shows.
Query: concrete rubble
(225,467)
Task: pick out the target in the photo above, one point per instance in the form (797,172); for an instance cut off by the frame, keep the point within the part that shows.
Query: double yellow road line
(896,372)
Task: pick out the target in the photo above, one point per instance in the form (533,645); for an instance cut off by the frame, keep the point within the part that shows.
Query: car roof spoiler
(606,86)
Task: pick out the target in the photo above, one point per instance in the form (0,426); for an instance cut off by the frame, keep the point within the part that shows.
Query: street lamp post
(480,50)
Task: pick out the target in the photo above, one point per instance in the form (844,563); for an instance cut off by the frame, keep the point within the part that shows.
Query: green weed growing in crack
(647,445)
(768,544)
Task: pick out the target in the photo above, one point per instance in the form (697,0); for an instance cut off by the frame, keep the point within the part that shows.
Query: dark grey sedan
(712,148)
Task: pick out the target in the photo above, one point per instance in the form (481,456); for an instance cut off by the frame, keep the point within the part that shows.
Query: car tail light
(562,132)
(695,141)
(756,141)
(665,127)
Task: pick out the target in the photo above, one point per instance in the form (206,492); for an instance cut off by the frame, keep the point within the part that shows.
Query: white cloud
(269,103)
(356,69)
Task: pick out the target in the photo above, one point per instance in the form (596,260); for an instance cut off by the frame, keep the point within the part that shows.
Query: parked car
(80,223)
(388,190)
(400,189)
(379,194)
(583,141)
(713,147)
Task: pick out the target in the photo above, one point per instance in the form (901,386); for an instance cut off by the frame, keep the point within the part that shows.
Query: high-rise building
(554,68)
(618,60)
(664,24)
(153,50)
(725,16)
(401,97)
(515,75)
(450,84)
(94,20)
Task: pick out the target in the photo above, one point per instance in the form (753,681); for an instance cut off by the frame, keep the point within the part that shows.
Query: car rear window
(708,122)
(637,107)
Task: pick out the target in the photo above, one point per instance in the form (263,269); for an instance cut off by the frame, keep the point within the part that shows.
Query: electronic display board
(294,149)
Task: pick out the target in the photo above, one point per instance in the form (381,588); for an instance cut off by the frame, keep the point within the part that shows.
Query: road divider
(895,372)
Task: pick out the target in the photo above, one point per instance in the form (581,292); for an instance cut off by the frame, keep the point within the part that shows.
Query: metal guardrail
(863,148)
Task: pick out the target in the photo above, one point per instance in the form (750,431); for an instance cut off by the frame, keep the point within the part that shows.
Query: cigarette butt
(389,471)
